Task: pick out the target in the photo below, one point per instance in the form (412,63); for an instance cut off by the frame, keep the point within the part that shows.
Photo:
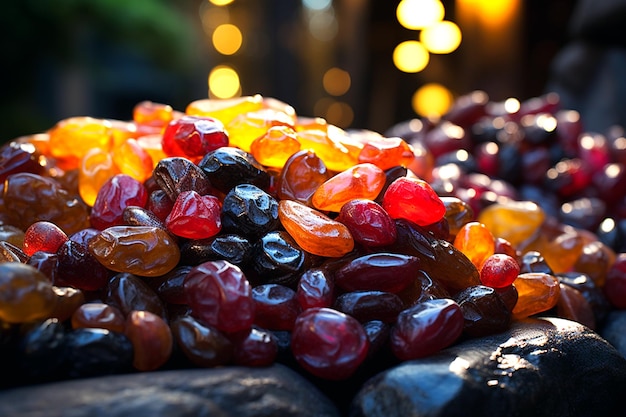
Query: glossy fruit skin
(193,136)
(115,195)
(484,311)
(174,175)
(43,236)
(426,328)
(370,305)
(25,293)
(151,338)
(203,345)
(382,271)
(301,175)
(499,271)
(329,344)
(368,222)
(250,211)
(258,347)
(194,216)
(275,306)
(227,167)
(220,296)
(413,199)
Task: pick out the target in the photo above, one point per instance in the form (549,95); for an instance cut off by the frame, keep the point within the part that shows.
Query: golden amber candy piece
(151,338)
(96,168)
(387,153)
(133,160)
(560,247)
(514,221)
(334,154)
(153,114)
(73,137)
(360,181)
(224,110)
(476,242)
(574,306)
(274,148)
(315,232)
(245,128)
(140,250)
(26,294)
(301,175)
(595,260)
(537,292)
(152,145)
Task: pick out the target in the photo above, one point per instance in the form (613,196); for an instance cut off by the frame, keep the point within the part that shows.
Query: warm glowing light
(221,2)
(227,39)
(336,81)
(432,100)
(224,82)
(418,14)
(323,24)
(512,105)
(340,114)
(410,56)
(441,38)
(492,13)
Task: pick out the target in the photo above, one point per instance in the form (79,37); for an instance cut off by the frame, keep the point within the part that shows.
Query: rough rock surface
(225,392)
(549,367)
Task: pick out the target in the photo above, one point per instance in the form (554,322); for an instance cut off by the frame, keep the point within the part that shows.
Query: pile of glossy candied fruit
(238,231)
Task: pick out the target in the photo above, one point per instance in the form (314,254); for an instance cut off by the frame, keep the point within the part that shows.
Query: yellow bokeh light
(441,38)
(227,39)
(224,82)
(336,81)
(418,14)
(221,2)
(410,56)
(340,114)
(432,100)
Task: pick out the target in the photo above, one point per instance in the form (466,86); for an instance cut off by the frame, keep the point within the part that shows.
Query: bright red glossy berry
(413,199)
(43,236)
(368,222)
(193,136)
(275,306)
(113,197)
(499,271)
(220,295)
(426,328)
(329,344)
(195,216)
(315,289)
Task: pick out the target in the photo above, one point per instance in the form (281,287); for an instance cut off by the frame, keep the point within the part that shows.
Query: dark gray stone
(549,367)
(614,330)
(224,392)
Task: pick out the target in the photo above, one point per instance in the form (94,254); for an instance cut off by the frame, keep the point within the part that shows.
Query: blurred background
(358,63)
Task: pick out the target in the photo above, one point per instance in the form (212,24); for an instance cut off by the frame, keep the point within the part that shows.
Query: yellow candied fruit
(246,127)
(537,292)
(274,148)
(514,221)
(224,109)
(72,138)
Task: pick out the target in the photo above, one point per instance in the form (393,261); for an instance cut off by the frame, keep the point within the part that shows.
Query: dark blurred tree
(42,38)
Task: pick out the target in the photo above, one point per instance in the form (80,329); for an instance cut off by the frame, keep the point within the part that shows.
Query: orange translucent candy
(25,293)
(99,316)
(72,138)
(595,260)
(225,110)
(96,168)
(574,306)
(133,160)
(386,153)
(514,221)
(301,175)
(311,123)
(69,299)
(537,292)
(360,181)
(152,145)
(315,232)
(560,246)
(279,105)
(151,338)
(476,242)
(246,127)
(335,155)
(122,131)
(153,114)
(274,148)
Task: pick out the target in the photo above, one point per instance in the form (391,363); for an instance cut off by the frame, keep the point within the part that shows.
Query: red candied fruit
(258,348)
(329,344)
(195,216)
(499,271)
(368,222)
(426,328)
(415,200)
(615,284)
(43,236)
(193,136)
(219,295)
(275,306)
(315,289)
(113,197)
